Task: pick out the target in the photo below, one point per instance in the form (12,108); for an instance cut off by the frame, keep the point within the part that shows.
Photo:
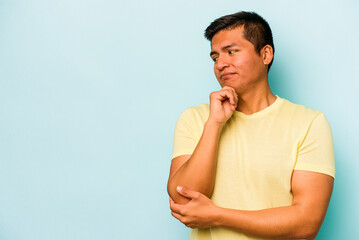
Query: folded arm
(311,195)
(197,171)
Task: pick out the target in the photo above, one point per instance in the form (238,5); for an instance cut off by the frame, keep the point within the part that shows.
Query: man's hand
(199,212)
(223,104)
(301,220)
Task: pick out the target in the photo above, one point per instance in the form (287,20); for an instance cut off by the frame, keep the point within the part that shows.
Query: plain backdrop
(90,92)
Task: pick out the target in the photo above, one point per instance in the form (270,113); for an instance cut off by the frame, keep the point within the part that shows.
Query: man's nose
(221,63)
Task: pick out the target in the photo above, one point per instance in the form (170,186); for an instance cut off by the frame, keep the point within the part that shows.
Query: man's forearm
(199,171)
(302,220)
(291,222)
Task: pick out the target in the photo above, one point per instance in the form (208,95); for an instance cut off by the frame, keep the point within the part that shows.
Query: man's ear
(267,54)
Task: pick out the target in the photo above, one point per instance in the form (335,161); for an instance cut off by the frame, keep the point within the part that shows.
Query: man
(250,165)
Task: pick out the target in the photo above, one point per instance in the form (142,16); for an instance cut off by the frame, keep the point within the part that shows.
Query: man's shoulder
(198,112)
(198,109)
(298,110)
(202,108)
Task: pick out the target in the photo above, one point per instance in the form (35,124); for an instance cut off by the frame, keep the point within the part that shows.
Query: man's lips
(225,76)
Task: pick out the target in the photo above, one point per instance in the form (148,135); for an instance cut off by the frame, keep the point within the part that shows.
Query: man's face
(236,63)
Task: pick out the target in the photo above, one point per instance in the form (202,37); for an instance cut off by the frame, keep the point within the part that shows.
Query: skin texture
(302,219)
(239,66)
(242,74)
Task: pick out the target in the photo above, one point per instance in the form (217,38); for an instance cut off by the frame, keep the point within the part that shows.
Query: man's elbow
(176,197)
(309,235)
(309,230)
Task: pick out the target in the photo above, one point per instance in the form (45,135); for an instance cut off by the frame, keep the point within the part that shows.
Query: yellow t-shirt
(257,155)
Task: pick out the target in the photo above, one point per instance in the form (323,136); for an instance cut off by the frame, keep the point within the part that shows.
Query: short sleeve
(186,135)
(316,152)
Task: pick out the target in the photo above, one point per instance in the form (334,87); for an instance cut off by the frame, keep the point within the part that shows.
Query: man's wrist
(216,217)
(212,124)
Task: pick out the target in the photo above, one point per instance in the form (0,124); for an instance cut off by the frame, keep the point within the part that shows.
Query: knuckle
(228,88)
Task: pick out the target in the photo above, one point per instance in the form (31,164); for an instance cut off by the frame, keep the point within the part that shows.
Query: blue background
(90,92)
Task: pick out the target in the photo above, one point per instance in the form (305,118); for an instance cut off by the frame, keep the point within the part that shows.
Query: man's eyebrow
(224,48)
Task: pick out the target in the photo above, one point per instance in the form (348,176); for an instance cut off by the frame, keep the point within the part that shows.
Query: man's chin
(227,84)
(234,83)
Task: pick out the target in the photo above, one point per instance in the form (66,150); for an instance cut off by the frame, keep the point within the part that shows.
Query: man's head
(255,29)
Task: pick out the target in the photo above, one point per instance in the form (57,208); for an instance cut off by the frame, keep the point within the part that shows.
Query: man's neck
(255,99)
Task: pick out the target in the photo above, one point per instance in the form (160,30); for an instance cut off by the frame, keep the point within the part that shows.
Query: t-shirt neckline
(261,112)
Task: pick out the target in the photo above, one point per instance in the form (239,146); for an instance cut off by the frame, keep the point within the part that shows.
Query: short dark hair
(256,29)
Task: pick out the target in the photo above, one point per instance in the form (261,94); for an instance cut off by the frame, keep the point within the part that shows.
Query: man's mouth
(225,76)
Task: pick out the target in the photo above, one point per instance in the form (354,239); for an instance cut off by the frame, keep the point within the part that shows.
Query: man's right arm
(197,171)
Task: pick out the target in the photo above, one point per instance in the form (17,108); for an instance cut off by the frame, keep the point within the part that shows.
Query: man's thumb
(186,192)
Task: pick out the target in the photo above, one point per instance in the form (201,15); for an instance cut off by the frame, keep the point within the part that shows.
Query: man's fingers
(176,207)
(178,216)
(187,192)
(171,202)
(235,96)
(228,93)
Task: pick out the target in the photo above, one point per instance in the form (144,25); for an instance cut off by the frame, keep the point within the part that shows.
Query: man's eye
(232,51)
(214,59)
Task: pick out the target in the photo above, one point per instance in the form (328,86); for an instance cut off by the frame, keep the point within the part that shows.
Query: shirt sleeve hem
(319,169)
(182,152)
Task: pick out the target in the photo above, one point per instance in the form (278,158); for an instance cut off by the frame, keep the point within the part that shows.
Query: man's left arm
(311,195)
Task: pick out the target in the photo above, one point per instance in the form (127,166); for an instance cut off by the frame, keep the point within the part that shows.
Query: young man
(250,165)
